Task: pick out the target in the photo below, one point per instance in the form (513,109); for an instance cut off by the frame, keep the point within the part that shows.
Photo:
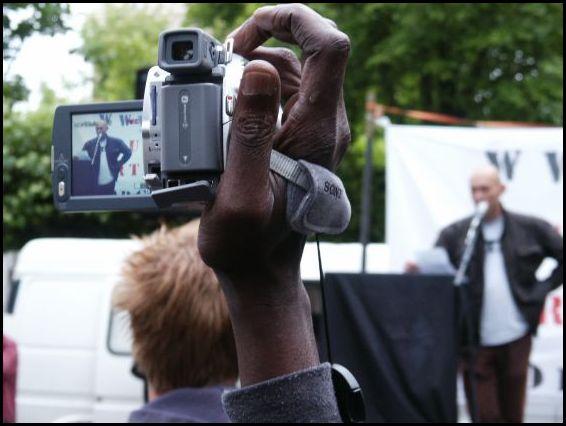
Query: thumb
(246,177)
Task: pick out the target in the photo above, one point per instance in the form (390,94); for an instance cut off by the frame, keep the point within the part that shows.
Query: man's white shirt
(104,175)
(501,320)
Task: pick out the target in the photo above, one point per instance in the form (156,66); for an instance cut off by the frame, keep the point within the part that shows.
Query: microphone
(482,208)
(469,242)
(96,148)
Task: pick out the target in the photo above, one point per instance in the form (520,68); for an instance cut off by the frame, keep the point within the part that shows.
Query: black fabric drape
(397,335)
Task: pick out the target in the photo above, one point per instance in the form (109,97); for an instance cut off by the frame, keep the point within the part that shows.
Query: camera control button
(153,96)
(228,50)
(61,189)
(61,173)
(230,105)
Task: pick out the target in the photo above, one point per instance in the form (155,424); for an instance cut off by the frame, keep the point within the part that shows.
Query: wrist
(258,302)
(273,330)
(265,285)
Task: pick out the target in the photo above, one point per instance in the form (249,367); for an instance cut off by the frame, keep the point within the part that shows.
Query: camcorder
(166,150)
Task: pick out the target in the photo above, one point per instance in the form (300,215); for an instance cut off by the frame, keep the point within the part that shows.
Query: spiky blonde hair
(181,327)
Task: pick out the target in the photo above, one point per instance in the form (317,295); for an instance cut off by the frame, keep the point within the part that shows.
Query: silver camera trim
(233,69)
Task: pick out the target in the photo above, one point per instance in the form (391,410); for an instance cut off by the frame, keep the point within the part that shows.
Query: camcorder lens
(183,50)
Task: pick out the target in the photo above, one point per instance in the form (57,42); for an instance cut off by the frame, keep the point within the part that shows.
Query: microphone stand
(96,149)
(460,282)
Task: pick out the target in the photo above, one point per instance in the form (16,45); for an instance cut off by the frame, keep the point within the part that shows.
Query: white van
(73,354)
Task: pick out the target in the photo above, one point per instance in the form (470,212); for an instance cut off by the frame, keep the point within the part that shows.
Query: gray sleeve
(303,396)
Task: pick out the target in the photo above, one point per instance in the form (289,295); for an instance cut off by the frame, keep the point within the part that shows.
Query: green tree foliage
(25,160)
(122,40)
(28,205)
(13,90)
(19,21)
(488,61)
(43,18)
(218,20)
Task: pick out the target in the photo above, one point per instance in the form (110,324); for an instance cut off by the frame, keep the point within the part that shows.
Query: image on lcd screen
(108,154)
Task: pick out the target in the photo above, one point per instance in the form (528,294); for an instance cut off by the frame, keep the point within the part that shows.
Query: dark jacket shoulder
(531,223)
(115,140)
(457,227)
(187,405)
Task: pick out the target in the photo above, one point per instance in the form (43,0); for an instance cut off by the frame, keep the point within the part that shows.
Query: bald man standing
(107,155)
(506,298)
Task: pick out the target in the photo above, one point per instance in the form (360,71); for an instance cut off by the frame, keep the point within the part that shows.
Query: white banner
(428,172)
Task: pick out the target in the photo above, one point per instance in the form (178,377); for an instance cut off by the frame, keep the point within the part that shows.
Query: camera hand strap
(316,197)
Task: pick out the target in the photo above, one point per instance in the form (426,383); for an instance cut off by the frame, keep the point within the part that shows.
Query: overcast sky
(47,59)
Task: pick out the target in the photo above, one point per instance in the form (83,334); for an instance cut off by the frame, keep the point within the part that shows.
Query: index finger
(291,23)
(324,46)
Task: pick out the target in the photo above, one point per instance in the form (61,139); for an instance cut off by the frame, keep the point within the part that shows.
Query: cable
(349,395)
(324,314)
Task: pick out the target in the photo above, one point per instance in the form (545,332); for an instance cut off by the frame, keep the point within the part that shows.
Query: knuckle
(346,137)
(338,44)
(343,141)
(287,55)
(293,11)
(296,8)
(344,125)
(254,129)
(331,23)
(261,10)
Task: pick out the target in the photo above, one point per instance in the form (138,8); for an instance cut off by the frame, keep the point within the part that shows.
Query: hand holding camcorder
(186,120)
(264,174)
(245,234)
(314,128)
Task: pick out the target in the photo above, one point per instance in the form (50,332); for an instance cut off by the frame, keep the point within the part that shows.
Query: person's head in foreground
(182,336)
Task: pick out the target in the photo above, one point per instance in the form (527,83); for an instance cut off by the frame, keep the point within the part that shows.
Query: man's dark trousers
(501,380)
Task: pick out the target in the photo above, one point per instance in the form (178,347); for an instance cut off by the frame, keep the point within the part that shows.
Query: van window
(120,333)
(12,295)
(9,285)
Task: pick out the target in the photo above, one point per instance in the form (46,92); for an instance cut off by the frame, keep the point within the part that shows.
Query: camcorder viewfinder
(166,151)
